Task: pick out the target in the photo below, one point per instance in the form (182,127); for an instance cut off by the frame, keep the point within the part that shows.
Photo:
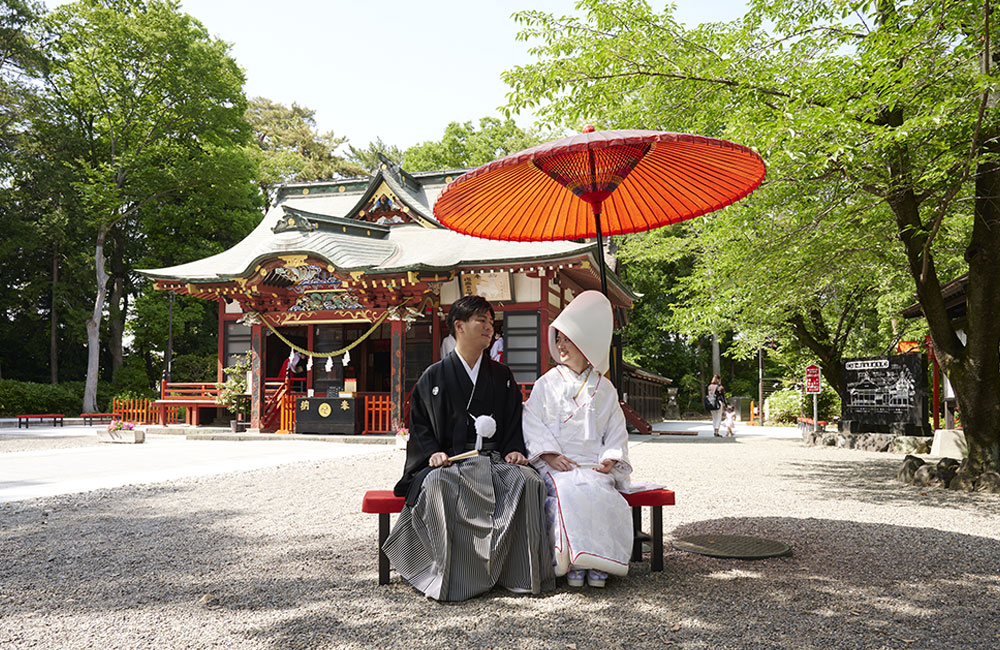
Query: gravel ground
(10,442)
(286,560)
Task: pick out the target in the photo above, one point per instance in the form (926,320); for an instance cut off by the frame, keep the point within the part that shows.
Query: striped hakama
(475,524)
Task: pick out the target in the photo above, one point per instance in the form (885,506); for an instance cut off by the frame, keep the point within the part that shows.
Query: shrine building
(362,264)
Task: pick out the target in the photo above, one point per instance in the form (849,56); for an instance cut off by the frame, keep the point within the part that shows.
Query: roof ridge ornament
(293,222)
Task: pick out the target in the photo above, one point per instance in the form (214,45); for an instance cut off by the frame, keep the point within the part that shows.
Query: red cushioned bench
(384,503)
(88,418)
(26,419)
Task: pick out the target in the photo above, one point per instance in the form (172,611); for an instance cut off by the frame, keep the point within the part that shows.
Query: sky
(395,69)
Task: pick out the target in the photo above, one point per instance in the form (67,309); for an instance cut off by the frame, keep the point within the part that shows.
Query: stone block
(950,443)
(864,441)
(910,445)
(909,429)
(125,436)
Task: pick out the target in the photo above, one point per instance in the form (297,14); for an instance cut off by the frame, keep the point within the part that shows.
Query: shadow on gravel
(847,585)
(307,578)
(874,481)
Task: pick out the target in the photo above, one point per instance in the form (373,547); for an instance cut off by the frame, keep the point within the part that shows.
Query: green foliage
(194,367)
(368,158)
(689,395)
(464,146)
(235,386)
(25,397)
(784,406)
(287,147)
(138,144)
(813,259)
(131,380)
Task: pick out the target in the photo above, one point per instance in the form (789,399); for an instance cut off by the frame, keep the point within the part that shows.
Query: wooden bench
(88,418)
(384,503)
(806,424)
(26,419)
(192,396)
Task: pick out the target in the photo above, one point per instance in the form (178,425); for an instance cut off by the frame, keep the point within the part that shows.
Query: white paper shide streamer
(486,426)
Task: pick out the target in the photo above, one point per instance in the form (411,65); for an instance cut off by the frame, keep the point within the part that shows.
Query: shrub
(131,380)
(18,397)
(193,368)
(784,406)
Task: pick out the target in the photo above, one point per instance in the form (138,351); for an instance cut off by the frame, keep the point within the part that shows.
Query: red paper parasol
(599,183)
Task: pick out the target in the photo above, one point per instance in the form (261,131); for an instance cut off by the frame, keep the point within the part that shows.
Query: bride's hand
(558,462)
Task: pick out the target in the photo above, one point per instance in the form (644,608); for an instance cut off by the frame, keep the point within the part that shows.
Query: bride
(574,430)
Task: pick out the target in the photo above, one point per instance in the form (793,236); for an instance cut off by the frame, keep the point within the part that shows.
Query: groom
(469,524)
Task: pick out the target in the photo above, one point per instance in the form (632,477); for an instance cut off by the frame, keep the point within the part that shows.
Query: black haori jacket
(439,420)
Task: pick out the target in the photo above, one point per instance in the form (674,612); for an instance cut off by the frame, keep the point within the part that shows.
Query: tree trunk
(829,353)
(54,320)
(716,357)
(977,377)
(94,325)
(116,313)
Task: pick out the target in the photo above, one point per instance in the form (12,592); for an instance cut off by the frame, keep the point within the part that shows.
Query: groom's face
(477,331)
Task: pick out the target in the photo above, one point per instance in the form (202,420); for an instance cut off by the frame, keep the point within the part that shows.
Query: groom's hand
(439,459)
(516,458)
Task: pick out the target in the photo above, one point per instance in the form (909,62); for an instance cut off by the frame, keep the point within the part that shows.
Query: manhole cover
(732,546)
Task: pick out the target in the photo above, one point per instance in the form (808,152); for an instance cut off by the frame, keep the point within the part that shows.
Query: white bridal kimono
(579,417)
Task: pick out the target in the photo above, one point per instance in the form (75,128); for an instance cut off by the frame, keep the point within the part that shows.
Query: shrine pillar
(256,376)
(396,375)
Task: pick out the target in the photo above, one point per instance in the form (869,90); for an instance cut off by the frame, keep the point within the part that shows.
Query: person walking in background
(715,399)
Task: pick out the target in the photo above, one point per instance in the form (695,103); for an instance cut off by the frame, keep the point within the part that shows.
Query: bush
(25,397)
(193,368)
(131,380)
(783,406)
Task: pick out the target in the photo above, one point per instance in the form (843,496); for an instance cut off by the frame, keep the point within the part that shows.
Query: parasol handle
(596,207)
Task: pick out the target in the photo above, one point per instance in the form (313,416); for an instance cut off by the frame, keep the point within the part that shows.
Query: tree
(21,63)
(368,158)
(155,106)
(289,148)
(889,106)
(464,146)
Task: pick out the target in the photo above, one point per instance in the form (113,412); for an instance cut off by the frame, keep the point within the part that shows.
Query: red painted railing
(141,411)
(377,409)
(287,418)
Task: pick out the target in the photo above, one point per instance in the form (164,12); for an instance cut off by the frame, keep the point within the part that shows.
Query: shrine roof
(384,250)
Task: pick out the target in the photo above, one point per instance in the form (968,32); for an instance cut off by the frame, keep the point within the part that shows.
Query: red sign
(812,379)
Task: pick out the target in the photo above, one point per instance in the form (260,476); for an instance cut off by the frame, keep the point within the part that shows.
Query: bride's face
(569,354)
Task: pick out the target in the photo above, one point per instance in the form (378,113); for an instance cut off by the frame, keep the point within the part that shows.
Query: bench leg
(656,559)
(383,560)
(636,534)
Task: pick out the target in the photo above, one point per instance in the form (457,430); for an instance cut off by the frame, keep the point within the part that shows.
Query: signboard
(886,391)
(325,415)
(812,380)
(495,286)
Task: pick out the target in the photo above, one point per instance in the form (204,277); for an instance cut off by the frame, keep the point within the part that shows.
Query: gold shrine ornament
(324,410)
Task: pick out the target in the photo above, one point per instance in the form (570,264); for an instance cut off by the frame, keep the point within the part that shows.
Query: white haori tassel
(347,358)
(329,364)
(486,426)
